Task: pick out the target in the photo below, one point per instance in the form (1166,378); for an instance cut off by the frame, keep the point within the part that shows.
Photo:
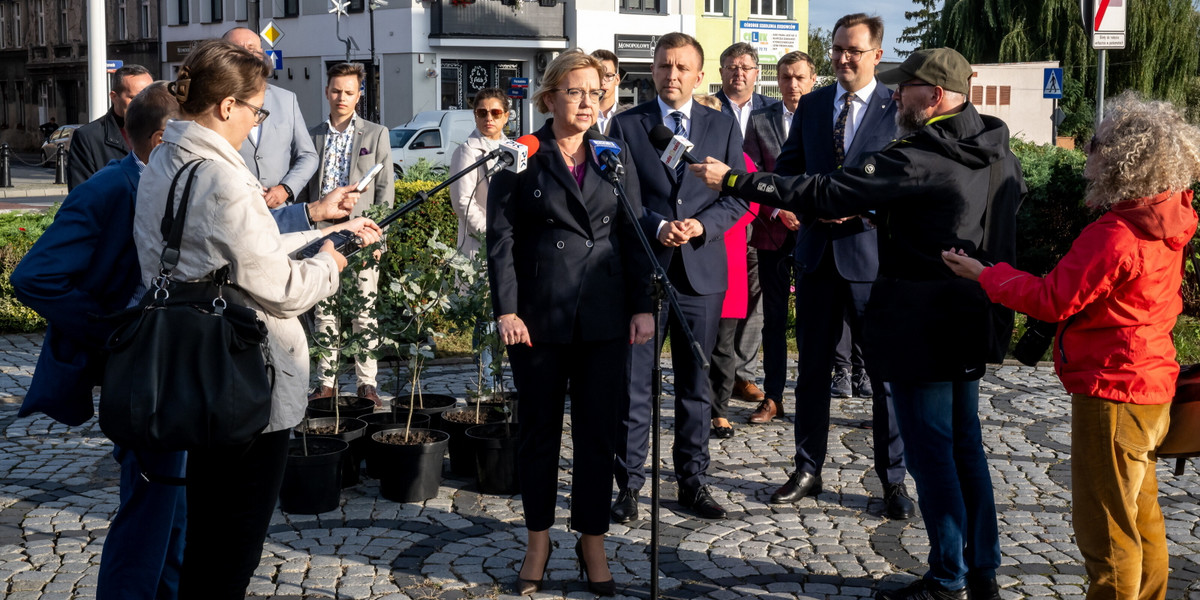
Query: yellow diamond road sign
(272,34)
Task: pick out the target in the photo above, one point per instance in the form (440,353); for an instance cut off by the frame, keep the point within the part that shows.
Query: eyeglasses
(735,69)
(260,113)
(608,77)
(482,113)
(576,94)
(851,54)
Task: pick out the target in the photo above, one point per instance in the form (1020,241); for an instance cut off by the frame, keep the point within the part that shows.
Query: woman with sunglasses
(568,281)
(468,196)
(231,491)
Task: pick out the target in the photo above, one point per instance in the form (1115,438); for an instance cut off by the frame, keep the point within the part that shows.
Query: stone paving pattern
(58,491)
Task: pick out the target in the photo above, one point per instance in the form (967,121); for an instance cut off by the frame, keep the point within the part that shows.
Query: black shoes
(526,587)
(720,432)
(899,503)
(861,384)
(799,485)
(701,502)
(983,588)
(625,509)
(841,387)
(924,589)
(599,588)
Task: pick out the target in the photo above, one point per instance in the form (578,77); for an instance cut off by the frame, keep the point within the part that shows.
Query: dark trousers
(722,371)
(775,276)
(595,375)
(847,352)
(231,495)
(822,297)
(143,550)
(693,407)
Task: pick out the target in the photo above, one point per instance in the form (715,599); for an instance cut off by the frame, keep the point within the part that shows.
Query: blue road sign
(1052,83)
(519,82)
(518,92)
(112,65)
(276,57)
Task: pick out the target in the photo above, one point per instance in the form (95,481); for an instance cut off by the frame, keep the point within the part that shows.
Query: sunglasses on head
(482,113)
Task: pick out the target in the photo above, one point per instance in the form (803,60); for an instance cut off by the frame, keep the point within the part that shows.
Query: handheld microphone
(674,148)
(514,154)
(604,154)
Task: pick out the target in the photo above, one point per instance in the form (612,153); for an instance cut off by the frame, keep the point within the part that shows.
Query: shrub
(1053,212)
(18,231)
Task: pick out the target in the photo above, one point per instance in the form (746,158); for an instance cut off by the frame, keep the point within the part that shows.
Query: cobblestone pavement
(58,490)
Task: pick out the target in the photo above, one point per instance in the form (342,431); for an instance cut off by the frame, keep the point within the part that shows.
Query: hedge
(18,231)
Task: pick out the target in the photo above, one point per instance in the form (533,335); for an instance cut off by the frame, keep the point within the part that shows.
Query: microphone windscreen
(531,142)
(660,137)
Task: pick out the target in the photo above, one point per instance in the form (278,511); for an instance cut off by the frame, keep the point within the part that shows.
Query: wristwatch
(287,189)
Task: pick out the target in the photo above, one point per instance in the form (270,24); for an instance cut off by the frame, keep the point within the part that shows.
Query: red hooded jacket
(1115,296)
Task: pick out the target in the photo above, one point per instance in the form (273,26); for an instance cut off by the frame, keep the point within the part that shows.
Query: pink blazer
(737,297)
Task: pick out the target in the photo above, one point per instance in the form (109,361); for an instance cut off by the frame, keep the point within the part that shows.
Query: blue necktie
(680,168)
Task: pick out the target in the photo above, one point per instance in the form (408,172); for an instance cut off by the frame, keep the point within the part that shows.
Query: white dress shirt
(742,113)
(669,121)
(857,109)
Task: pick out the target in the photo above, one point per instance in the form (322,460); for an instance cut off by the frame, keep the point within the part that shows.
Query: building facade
(773,27)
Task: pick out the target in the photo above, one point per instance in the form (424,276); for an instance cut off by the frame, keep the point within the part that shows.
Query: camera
(1033,344)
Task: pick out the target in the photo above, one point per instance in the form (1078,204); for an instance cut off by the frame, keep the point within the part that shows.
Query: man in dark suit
(96,144)
(773,235)
(688,221)
(836,261)
(84,266)
(350,146)
(739,75)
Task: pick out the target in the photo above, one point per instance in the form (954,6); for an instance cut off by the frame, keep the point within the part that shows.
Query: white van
(432,135)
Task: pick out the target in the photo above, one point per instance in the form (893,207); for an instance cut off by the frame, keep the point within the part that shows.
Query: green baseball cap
(943,67)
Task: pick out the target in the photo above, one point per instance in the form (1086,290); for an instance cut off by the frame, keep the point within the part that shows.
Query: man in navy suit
(773,236)
(687,220)
(836,261)
(85,266)
(739,74)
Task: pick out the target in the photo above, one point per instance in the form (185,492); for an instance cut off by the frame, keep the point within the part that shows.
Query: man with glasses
(837,260)
(350,146)
(685,222)
(739,75)
(611,84)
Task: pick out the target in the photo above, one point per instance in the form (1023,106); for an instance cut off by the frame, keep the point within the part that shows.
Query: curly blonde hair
(1141,148)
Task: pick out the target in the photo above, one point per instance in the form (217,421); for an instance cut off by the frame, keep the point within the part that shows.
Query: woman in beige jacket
(231,492)
(468,196)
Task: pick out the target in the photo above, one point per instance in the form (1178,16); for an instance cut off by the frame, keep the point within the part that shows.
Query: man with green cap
(950,181)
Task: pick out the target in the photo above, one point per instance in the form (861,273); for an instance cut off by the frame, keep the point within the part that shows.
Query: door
(462,79)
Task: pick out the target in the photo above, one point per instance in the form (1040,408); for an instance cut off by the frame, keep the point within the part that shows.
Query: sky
(824,13)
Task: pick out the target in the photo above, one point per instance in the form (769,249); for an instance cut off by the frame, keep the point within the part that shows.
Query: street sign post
(1108,24)
(276,58)
(1052,83)
(112,65)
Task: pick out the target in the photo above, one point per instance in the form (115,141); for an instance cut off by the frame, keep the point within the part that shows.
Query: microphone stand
(660,289)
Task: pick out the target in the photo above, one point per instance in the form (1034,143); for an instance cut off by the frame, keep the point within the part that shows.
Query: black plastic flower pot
(310,479)
(352,432)
(349,407)
(462,449)
(427,404)
(385,420)
(408,472)
(495,457)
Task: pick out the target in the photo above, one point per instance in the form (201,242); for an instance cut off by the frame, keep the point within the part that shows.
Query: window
(240,10)
(177,12)
(714,7)
(640,6)
(18,29)
(427,139)
(769,8)
(3,25)
(144,19)
(355,6)
(122,17)
(62,21)
(39,8)
(291,8)
(211,11)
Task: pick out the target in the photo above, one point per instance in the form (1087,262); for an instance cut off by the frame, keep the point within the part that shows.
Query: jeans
(143,551)
(943,448)
(1114,497)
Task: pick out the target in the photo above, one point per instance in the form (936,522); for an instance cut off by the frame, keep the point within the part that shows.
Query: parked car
(61,136)
(432,135)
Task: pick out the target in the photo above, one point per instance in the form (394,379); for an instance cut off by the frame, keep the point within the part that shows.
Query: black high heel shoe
(526,587)
(599,588)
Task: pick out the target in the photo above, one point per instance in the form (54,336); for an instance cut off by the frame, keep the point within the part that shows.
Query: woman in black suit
(569,292)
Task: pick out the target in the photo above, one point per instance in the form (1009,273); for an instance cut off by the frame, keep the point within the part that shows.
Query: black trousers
(595,374)
(723,366)
(231,495)
(775,276)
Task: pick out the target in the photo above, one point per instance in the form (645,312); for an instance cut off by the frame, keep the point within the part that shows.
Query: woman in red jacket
(1115,297)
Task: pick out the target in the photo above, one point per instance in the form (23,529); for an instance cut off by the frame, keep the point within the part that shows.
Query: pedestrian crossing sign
(1052,84)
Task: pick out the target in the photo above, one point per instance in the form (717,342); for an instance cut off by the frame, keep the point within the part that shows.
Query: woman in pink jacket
(1115,297)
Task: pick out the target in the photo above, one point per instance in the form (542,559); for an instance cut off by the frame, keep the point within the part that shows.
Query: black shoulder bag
(188,367)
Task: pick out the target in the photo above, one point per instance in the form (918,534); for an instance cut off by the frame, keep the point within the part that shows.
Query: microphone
(604,154)
(513,154)
(674,148)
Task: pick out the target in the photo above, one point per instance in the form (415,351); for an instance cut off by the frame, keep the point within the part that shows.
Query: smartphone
(366,179)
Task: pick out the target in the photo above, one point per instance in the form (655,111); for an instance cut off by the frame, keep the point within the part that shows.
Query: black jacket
(92,147)
(565,259)
(954,183)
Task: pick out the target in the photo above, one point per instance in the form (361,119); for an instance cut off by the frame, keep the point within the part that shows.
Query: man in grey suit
(279,151)
(350,146)
(773,236)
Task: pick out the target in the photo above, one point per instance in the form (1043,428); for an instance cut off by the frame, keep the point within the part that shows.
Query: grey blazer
(371,146)
(284,152)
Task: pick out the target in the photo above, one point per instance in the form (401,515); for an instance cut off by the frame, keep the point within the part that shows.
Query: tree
(819,42)
(925,32)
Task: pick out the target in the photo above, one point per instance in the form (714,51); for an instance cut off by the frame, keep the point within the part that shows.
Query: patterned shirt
(337,156)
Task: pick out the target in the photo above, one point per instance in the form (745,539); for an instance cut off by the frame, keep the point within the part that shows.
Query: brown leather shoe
(767,410)
(322,391)
(748,391)
(369,392)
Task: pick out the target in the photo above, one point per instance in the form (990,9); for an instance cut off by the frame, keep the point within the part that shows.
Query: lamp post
(372,6)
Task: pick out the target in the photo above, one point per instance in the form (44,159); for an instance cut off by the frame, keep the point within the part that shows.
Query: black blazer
(809,149)
(565,259)
(92,147)
(666,198)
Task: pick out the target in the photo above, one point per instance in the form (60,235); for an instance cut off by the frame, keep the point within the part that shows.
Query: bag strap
(172,222)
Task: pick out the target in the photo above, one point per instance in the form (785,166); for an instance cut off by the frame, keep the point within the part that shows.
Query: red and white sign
(1108,24)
